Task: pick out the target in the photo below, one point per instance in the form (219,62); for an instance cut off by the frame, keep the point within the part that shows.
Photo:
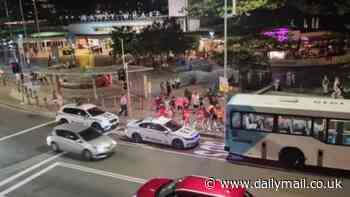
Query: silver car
(80,139)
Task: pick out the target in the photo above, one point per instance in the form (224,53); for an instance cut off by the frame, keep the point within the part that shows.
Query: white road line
(12,178)
(28,179)
(26,131)
(103,173)
(173,152)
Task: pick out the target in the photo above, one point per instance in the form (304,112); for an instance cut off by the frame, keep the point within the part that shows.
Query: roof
(160,120)
(84,106)
(73,127)
(198,184)
(314,107)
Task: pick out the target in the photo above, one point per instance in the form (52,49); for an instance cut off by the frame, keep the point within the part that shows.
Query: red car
(190,186)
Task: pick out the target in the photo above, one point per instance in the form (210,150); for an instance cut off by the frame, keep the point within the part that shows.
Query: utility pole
(22,16)
(8,17)
(126,76)
(36,17)
(225,42)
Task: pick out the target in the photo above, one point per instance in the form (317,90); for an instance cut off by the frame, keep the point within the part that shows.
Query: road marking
(28,179)
(12,178)
(103,173)
(173,152)
(26,131)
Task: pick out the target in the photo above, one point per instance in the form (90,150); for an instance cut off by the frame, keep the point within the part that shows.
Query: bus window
(294,125)
(339,132)
(236,120)
(319,131)
(260,122)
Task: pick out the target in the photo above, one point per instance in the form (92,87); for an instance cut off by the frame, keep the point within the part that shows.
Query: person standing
(188,95)
(195,100)
(124,105)
(325,84)
(162,89)
(168,88)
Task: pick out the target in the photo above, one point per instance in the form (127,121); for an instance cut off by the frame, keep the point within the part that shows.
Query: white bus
(292,130)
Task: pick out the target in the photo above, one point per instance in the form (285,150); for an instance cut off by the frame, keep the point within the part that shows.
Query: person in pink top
(124,105)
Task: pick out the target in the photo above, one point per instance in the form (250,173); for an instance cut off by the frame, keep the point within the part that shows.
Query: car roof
(73,127)
(197,184)
(84,106)
(160,120)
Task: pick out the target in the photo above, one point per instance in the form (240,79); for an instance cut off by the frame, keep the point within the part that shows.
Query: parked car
(81,139)
(190,186)
(89,115)
(162,131)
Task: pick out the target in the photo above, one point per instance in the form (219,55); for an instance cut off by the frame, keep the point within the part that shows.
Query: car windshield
(95,111)
(89,134)
(173,126)
(167,190)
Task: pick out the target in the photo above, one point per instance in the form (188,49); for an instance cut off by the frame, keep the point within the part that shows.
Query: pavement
(28,168)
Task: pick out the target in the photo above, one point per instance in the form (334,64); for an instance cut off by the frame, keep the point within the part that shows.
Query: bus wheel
(292,158)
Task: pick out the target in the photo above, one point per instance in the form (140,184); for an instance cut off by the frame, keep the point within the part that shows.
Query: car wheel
(178,144)
(62,121)
(87,155)
(97,126)
(136,138)
(55,147)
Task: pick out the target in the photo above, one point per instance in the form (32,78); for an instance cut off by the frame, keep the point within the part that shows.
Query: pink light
(281,34)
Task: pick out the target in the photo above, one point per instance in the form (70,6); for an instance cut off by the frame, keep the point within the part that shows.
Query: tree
(215,8)
(155,42)
(246,53)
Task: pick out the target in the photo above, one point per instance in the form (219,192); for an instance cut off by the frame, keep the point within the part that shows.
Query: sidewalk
(9,97)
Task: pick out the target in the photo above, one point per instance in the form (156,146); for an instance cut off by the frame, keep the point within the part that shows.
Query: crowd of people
(200,111)
(99,16)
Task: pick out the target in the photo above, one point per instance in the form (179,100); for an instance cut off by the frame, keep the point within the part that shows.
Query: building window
(319,129)
(339,132)
(260,122)
(294,125)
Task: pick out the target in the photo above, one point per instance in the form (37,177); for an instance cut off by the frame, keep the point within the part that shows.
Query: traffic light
(121,75)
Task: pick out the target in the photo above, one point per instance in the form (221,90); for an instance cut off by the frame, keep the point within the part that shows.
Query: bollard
(28,98)
(263,150)
(46,102)
(320,158)
(36,97)
(30,92)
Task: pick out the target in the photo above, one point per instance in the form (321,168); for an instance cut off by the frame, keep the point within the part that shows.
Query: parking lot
(29,168)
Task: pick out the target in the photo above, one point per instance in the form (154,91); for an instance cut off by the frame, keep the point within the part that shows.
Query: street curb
(47,114)
(211,135)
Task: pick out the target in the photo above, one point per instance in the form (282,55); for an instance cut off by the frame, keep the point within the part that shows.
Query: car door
(72,142)
(146,131)
(62,140)
(160,134)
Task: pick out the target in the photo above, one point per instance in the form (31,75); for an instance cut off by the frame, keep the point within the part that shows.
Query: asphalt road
(29,168)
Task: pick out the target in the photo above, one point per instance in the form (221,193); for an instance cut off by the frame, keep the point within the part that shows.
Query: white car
(162,131)
(80,139)
(88,115)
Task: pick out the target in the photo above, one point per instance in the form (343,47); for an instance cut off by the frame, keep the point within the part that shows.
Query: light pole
(225,41)
(126,74)
(36,16)
(22,16)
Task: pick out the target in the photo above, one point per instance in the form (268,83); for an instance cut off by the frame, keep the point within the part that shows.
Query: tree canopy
(155,42)
(320,7)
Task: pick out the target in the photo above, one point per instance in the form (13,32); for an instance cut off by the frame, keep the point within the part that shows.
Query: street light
(126,68)
(225,34)
(36,16)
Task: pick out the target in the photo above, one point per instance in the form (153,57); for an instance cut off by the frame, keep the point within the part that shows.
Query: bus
(294,131)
